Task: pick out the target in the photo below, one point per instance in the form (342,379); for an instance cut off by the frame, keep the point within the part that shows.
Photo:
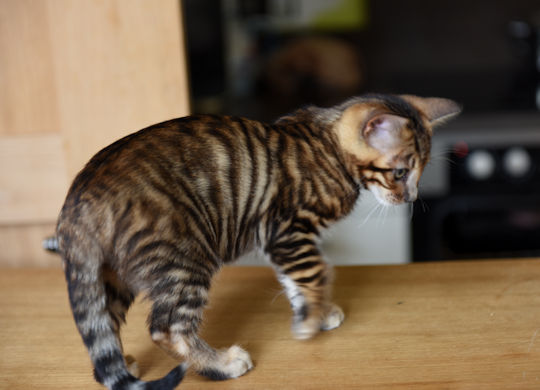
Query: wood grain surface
(459,325)
(74,77)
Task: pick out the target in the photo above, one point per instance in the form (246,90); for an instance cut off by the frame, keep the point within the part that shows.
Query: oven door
(468,226)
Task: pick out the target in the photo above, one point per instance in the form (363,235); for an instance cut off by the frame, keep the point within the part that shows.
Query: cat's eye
(400,173)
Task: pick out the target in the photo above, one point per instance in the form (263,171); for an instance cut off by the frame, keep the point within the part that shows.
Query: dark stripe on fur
(305,253)
(106,364)
(302,266)
(169,381)
(124,381)
(123,221)
(214,375)
(309,279)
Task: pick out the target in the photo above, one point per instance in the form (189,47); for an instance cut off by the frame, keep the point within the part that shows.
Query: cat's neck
(322,123)
(321,118)
(328,123)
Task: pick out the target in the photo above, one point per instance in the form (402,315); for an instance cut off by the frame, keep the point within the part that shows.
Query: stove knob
(480,164)
(517,162)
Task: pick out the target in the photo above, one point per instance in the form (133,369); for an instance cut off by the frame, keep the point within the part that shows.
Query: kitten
(161,210)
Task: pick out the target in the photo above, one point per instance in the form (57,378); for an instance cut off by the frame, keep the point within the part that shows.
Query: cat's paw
(232,363)
(333,319)
(303,330)
(238,361)
(306,329)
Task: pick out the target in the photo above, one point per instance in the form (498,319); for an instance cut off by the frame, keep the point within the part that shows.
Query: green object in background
(343,15)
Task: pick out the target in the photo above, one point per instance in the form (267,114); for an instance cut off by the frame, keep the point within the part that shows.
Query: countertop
(449,325)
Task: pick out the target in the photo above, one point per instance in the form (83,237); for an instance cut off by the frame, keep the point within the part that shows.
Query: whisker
(442,157)
(369,215)
(382,216)
(425,207)
(411,211)
(278,294)
(444,150)
(446,160)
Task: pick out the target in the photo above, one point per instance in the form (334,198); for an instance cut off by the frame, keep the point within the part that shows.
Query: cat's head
(387,141)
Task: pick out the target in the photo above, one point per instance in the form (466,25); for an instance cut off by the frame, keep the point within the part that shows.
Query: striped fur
(161,210)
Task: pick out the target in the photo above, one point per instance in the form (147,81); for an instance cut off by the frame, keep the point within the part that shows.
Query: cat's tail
(50,244)
(89,303)
(168,382)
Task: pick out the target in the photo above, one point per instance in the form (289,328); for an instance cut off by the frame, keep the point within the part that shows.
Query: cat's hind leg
(178,305)
(118,300)
(97,316)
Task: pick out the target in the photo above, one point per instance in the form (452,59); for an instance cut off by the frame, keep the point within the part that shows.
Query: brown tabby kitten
(161,210)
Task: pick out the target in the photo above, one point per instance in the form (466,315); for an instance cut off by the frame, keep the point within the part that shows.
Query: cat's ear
(383,131)
(436,110)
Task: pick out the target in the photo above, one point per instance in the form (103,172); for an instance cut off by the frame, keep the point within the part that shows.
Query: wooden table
(459,325)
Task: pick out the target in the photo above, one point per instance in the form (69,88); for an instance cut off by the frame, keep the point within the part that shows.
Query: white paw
(304,330)
(236,362)
(333,318)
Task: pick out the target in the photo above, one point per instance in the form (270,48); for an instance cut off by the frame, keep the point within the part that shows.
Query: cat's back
(185,165)
(186,146)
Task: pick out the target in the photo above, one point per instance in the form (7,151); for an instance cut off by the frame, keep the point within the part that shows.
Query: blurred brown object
(316,70)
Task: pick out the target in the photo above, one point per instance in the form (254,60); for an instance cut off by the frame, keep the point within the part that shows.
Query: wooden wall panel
(74,77)
(21,246)
(28,103)
(33,181)
(118,67)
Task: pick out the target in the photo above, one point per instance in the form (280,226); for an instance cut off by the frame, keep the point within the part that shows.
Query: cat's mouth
(393,199)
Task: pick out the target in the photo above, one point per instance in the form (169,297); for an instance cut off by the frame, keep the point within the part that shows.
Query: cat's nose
(410,195)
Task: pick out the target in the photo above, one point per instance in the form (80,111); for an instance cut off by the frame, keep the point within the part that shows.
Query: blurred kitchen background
(480,196)
(76,75)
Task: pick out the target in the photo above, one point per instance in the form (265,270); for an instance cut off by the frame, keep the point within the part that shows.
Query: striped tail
(168,382)
(88,299)
(129,382)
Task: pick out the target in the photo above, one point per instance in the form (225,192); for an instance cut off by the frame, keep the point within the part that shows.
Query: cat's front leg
(310,315)
(307,282)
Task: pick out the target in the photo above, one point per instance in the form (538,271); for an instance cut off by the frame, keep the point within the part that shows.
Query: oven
(479,197)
